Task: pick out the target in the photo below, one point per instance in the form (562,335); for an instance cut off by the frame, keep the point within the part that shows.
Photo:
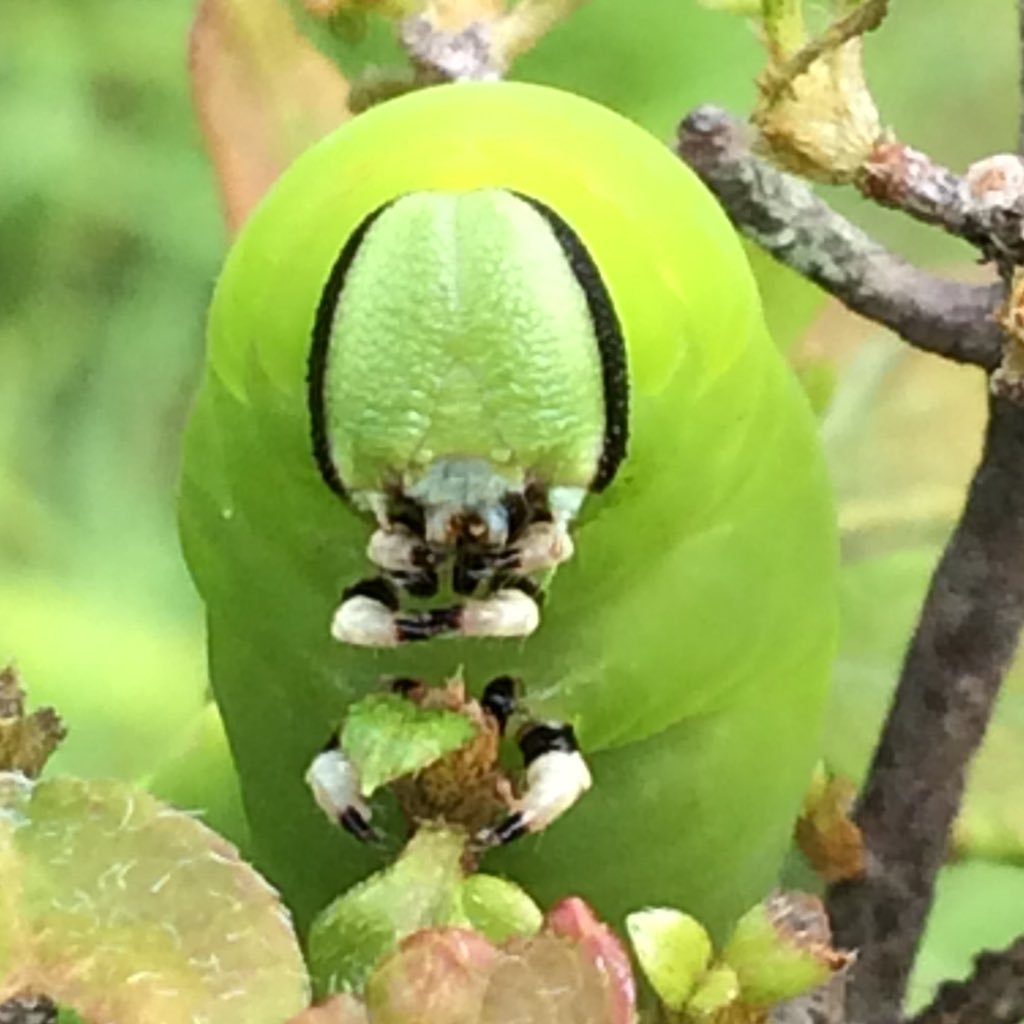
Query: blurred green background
(110,238)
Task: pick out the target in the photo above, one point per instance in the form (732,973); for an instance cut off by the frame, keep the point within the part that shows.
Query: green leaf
(66,1016)
(120,908)
(718,989)
(356,930)
(673,949)
(495,907)
(387,736)
(780,949)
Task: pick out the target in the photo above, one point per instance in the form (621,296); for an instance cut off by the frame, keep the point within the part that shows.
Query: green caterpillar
(488,371)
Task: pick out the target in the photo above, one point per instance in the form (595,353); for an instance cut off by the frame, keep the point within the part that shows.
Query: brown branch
(965,639)
(986,208)
(906,179)
(482,49)
(973,614)
(783,215)
(823,1005)
(993,994)
(465,55)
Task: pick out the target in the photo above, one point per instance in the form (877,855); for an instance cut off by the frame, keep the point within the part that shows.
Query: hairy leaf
(121,908)
(387,736)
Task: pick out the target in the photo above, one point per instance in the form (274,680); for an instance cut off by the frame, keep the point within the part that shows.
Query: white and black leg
(369,616)
(500,700)
(512,610)
(336,789)
(541,546)
(405,558)
(556,777)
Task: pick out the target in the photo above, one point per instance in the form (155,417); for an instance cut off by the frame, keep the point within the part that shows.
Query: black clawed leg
(511,828)
(470,569)
(510,581)
(539,738)
(556,777)
(355,824)
(500,698)
(517,512)
(406,686)
(422,583)
(415,626)
(377,588)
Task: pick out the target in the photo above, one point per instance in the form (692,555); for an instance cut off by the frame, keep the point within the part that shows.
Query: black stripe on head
(316,370)
(610,343)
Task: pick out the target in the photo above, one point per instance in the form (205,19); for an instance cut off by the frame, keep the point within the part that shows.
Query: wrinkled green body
(688,639)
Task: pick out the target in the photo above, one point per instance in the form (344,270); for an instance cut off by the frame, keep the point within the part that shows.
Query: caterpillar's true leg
(556,777)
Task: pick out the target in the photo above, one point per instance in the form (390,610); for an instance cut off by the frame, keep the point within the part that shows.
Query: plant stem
(527,23)
(993,994)
(784,216)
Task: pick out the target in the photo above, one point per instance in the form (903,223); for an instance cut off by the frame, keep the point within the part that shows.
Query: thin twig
(465,55)
(906,179)
(865,18)
(527,23)
(986,208)
(993,994)
(973,614)
(965,639)
(483,49)
(783,215)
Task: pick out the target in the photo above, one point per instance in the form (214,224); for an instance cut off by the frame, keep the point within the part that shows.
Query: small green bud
(781,949)
(718,989)
(495,907)
(368,921)
(673,949)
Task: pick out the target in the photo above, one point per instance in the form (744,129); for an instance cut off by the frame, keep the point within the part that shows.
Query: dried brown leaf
(26,741)
(827,835)
(12,695)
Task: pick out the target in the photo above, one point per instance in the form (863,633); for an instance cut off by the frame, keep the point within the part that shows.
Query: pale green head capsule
(467,386)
